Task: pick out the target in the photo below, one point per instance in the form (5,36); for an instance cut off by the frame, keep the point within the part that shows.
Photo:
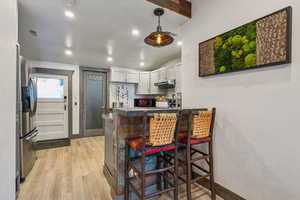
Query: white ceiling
(100,28)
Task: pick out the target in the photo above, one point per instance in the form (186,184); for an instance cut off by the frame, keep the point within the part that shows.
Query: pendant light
(159,38)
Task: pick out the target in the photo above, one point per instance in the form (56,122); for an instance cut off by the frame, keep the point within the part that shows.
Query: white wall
(75,89)
(257,144)
(171,63)
(8,40)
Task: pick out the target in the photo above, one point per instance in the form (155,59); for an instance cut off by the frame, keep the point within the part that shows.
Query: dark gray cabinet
(110,145)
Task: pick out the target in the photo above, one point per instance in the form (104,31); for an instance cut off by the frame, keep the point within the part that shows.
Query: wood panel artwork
(261,43)
(182,7)
(207,62)
(271,39)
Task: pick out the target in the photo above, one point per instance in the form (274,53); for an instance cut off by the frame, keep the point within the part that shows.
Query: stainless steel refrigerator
(28,103)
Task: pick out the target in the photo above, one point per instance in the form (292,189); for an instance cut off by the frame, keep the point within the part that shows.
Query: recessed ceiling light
(69,14)
(69,42)
(142,64)
(109,59)
(68,52)
(109,50)
(135,32)
(179,43)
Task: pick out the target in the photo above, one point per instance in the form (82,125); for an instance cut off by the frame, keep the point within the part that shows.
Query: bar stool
(200,131)
(158,137)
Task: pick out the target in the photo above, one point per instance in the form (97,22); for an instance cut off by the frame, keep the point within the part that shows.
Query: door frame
(83,69)
(69,74)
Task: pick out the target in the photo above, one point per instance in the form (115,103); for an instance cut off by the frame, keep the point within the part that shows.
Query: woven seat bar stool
(159,135)
(200,131)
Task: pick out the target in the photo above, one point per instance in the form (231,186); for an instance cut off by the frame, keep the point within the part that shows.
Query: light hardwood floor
(75,173)
(68,173)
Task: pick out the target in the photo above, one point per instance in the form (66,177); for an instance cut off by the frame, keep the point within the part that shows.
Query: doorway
(52,107)
(54,104)
(93,90)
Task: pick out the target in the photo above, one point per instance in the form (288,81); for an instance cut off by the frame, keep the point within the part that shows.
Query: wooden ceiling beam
(182,7)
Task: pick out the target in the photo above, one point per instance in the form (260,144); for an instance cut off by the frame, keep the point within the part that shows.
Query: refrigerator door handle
(34,134)
(29,134)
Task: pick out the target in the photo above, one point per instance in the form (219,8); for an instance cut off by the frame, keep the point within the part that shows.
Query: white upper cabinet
(118,76)
(167,72)
(133,77)
(145,80)
(162,75)
(171,73)
(124,75)
(154,78)
(144,83)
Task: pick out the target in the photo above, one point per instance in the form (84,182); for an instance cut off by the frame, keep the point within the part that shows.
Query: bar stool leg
(158,177)
(211,169)
(165,173)
(143,185)
(126,175)
(176,191)
(188,172)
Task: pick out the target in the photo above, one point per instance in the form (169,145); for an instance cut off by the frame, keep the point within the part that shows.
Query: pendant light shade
(159,38)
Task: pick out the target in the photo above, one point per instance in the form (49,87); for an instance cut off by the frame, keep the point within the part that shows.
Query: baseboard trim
(221,191)
(49,144)
(109,177)
(82,136)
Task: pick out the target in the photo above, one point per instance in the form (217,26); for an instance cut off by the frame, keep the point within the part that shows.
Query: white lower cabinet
(143,86)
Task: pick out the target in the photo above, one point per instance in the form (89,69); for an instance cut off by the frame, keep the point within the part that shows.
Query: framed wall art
(261,43)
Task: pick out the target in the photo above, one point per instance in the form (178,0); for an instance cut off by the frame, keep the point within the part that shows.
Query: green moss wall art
(261,43)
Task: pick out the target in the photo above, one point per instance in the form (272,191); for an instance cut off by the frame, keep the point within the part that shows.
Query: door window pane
(50,88)
(94,100)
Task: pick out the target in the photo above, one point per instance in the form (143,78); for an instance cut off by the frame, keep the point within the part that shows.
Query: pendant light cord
(159,29)
(158,20)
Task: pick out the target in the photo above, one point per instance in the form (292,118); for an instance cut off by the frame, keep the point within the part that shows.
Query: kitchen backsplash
(124,93)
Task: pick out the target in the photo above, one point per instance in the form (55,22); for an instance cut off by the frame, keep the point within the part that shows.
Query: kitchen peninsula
(125,123)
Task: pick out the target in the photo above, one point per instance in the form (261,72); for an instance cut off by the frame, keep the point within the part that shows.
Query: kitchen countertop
(107,116)
(139,111)
(134,111)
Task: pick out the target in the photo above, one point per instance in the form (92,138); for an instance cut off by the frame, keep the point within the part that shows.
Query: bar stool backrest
(162,129)
(202,124)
